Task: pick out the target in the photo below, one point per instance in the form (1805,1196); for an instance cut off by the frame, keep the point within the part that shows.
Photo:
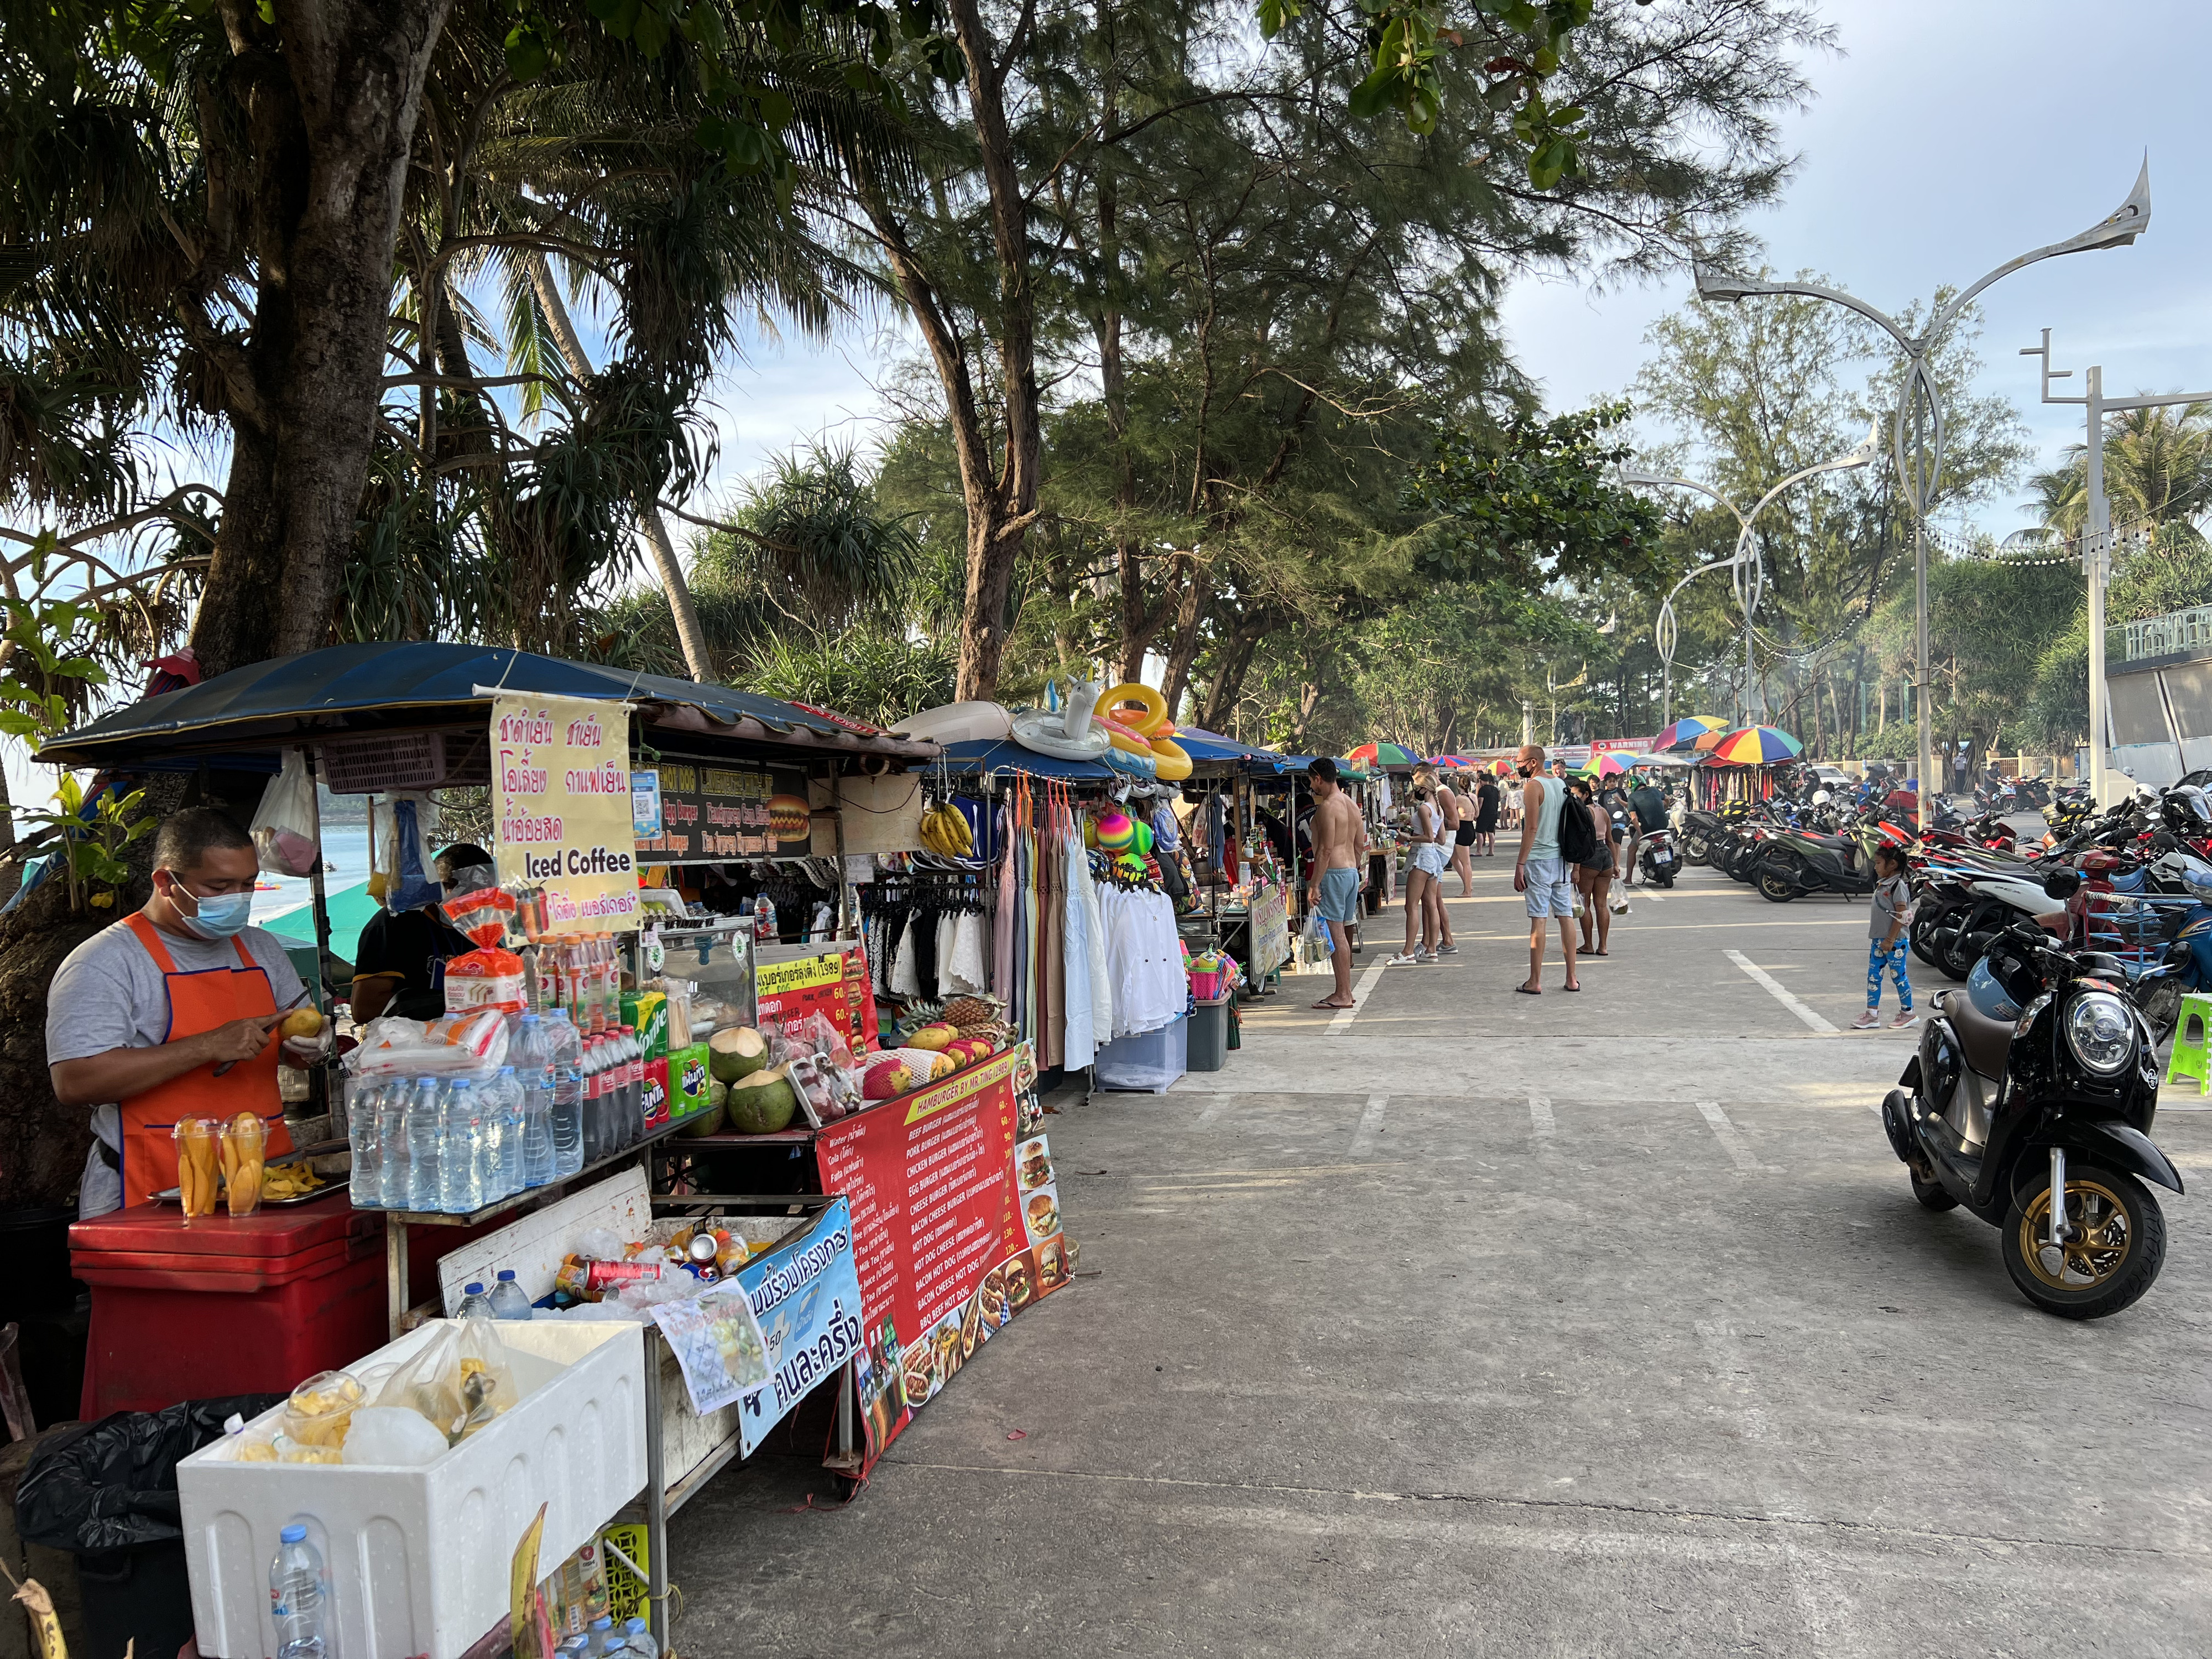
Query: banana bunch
(945,830)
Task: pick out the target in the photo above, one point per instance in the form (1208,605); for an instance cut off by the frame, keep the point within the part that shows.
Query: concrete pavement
(1482,1323)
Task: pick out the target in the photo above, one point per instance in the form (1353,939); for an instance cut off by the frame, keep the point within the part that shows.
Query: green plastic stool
(2192,1056)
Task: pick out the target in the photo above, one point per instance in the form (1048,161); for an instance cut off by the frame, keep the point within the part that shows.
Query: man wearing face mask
(140,1015)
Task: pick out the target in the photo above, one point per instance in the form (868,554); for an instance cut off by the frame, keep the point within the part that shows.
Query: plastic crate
(1149,1062)
(1207,1046)
(376,761)
(419,1558)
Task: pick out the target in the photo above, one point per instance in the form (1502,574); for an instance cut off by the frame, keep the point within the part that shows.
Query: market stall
(623,806)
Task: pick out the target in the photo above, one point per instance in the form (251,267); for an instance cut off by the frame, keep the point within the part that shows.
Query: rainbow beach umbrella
(1382,754)
(1456,762)
(1757,745)
(1687,730)
(1607,765)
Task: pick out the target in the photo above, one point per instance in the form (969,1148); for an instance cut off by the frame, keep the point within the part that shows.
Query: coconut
(736,1052)
(763,1103)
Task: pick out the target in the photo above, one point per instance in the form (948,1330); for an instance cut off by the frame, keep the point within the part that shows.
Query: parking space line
(1342,1023)
(1774,989)
(1733,1143)
(1371,1125)
(1540,1118)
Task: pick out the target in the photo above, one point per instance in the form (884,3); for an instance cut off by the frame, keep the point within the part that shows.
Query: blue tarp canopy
(1211,748)
(992,755)
(241,718)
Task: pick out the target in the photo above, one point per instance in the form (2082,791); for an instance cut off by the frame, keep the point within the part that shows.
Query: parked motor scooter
(2041,1078)
(1657,858)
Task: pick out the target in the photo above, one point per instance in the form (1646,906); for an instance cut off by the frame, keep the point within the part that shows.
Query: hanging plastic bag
(284,824)
(407,855)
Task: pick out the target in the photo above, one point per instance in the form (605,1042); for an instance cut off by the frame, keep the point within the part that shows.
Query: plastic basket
(379,761)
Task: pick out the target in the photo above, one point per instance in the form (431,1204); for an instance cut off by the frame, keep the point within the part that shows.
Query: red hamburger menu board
(955,1225)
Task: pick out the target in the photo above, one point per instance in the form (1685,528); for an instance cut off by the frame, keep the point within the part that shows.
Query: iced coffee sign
(561,784)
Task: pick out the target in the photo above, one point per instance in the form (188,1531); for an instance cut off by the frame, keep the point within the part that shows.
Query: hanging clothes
(1144,960)
(1080,1045)
(1003,923)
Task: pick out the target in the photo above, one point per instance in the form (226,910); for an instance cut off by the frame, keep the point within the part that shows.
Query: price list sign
(956,1220)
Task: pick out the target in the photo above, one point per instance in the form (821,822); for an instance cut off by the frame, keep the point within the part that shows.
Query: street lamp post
(1749,575)
(2097,533)
(1920,406)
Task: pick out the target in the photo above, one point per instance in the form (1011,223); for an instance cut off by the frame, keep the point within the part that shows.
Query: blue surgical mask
(221,916)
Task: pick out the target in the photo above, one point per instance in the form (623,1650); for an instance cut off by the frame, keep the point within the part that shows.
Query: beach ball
(1117,832)
(1130,863)
(1144,836)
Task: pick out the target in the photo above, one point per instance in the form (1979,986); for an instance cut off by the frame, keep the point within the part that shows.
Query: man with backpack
(1553,841)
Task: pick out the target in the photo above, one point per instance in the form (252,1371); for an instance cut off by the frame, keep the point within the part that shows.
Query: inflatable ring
(1174,764)
(1122,736)
(1034,729)
(1136,764)
(1155,706)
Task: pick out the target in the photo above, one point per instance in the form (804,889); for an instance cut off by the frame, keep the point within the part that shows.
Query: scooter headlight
(2101,1031)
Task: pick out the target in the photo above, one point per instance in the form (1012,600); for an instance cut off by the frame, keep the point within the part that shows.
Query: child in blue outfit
(1885,947)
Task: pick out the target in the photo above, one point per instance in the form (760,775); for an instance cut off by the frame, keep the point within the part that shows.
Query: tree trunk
(1182,650)
(334,94)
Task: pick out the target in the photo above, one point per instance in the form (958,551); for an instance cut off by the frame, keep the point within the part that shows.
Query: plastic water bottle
(532,1055)
(510,1144)
(298,1590)
(368,1176)
(564,1057)
(475,1305)
(460,1192)
(392,1147)
(425,1131)
(640,1640)
(600,1637)
(507,1300)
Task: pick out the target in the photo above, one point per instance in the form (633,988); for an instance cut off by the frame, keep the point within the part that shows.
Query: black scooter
(1998,1112)
(1656,857)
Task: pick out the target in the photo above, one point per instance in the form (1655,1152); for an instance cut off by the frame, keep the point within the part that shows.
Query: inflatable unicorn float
(1124,727)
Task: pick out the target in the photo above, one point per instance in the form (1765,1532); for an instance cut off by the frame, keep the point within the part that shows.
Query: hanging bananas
(944,832)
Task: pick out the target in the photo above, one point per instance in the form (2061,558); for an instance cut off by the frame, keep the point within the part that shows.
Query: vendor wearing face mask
(140,1015)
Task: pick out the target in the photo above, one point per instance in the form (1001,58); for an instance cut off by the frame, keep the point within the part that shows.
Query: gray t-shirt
(108,992)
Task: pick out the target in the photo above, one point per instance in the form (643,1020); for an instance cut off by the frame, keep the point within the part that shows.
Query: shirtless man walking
(1339,853)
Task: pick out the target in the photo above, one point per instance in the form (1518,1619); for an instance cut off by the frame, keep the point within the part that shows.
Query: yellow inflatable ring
(1175,765)
(1124,737)
(1155,711)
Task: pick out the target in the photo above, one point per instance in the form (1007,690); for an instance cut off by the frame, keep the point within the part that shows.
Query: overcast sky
(1946,136)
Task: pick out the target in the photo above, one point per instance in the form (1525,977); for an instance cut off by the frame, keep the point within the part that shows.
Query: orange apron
(199,1002)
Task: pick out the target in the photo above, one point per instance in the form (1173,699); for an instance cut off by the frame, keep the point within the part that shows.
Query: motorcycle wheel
(1932,1196)
(2121,1248)
(1919,936)
(1951,945)
(1694,849)
(2161,1006)
(1776,884)
(1667,880)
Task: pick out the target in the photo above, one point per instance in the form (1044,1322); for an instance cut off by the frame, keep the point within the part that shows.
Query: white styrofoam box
(419,1558)
(534,1245)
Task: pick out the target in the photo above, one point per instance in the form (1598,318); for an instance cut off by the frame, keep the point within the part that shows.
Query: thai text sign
(560,788)
(955,1227)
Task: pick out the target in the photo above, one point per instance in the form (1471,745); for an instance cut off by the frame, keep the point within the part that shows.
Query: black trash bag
(112,1484)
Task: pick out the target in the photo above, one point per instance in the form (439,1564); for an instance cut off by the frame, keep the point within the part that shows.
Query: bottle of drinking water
(368,1174)
(564,1056)
(460,1191)
(491,1140)
(299,1589)
(508,1089)
(533,1069)
(391,1193)
(475,1305)
(508,1300)
(425,1129)
(601,1637)
(640,1640)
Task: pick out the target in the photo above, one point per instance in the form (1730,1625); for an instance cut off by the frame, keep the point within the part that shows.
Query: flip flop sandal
(1573,988)
(1336,1008)
(1530,990)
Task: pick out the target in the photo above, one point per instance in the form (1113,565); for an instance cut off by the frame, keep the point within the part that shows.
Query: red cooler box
(247,1304)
